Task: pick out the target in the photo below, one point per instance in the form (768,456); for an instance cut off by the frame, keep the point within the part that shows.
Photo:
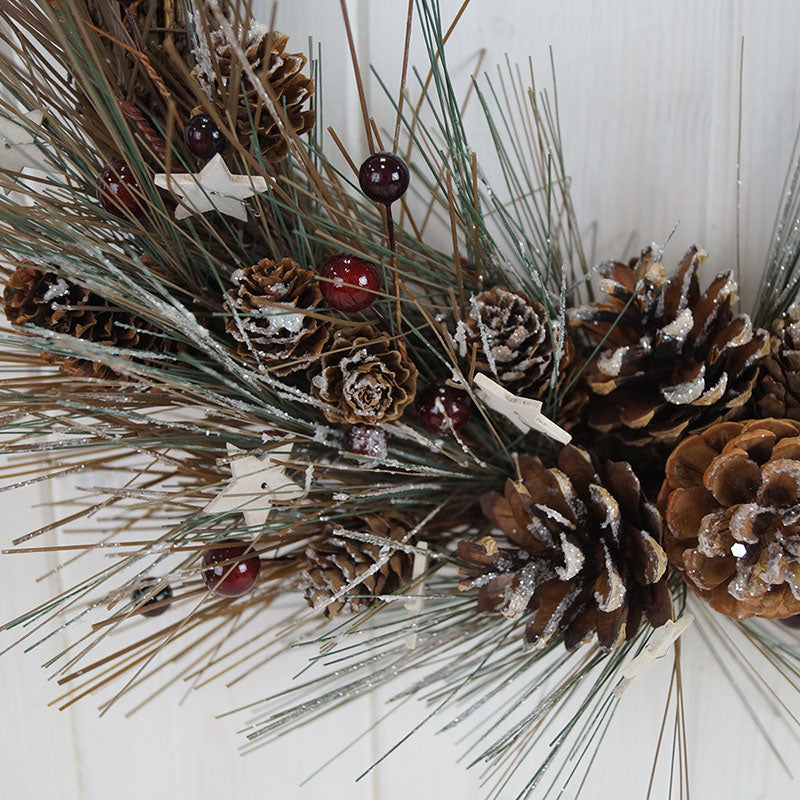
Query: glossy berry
(384,177)
(441,406)
(230,568)
(117,189)
(159,600)
(366,440)
(203,137)
(351,282)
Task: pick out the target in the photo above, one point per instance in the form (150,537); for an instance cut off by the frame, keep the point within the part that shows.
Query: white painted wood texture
(649,95)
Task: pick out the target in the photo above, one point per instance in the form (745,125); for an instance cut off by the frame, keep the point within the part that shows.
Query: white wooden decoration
(524,412)
(257,482)
(213,188)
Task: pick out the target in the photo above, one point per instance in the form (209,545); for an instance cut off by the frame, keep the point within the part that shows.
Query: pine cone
(778,387)
(584,557)
(678,360)
(285,341)
(33,296)
(515,341)
(730,502)
(334,563)
(276,69)
(364,377)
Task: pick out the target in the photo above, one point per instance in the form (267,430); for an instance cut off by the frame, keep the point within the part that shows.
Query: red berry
(366,440)
(443,408)
(118,189)
(203,137)
(384,177)
(351,282)
(158,599)
(230,568)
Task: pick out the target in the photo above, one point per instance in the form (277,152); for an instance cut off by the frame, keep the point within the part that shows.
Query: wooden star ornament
(525,413)
(214,188)
(257,482)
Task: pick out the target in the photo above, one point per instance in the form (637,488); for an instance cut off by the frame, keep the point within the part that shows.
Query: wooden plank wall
(649,95)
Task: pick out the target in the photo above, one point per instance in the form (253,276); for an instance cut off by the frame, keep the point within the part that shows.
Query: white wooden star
(525,413)
(257,482)
(656,648)
(17,147)
(214,188)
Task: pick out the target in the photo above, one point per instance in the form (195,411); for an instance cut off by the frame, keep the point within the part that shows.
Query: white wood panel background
(649,95)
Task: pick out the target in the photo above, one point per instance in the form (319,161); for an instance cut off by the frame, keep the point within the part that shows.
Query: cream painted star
(257,482)
(525,413)
(17,147)
(213,188)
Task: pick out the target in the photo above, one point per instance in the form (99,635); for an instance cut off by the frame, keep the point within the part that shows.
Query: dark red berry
(791,622)
(443,408)
(351,282)
(384,177)
(118,189)
(366,440)
(159,600)
(203,137)
(230,568)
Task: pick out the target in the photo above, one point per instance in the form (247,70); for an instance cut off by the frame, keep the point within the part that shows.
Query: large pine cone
(334,563)
(285,341)
(585,553)
(364,377)
(276,69)
(731,501)
(33,296)
(677,360)
(778,388)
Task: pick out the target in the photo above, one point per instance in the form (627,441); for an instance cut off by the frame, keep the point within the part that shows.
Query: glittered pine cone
(514,341)
(45,299)
(280,77)
(583,555)
(778,388)
(336,562)
(284,340)
(677,360)
(730,504)
(364,377)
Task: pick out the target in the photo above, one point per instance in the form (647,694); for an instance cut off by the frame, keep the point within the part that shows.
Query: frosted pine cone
(284,340)
(584,553)
(280,78)
(335,563)
(730,502)
(778,388)
(48,300)
(677,360)
(515,341)
(364,377)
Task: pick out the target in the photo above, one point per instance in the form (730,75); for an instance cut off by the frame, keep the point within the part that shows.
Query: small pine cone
(730,503)
(285,341)
(280,72)
(678,360)
(364,377)
(33,296)
(585,554)
(334,563)
(778,387)
(514,341)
